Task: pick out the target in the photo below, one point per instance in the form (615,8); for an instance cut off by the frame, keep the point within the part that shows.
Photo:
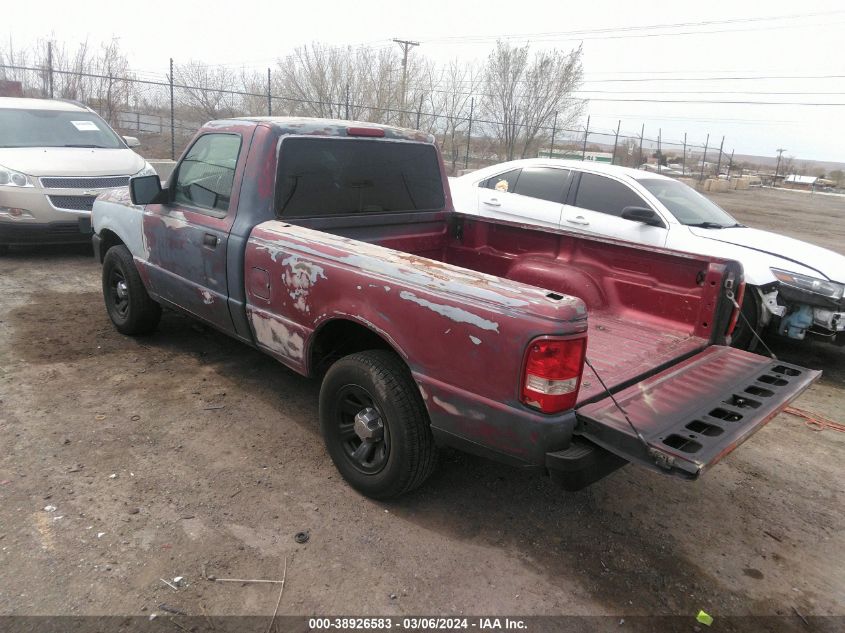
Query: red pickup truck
(333,247)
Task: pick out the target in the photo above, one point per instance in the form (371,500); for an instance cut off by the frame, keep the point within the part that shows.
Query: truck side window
(543,183)
(505,182)
(606,195)
(206,173)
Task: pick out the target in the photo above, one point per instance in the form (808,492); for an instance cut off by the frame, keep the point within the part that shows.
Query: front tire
(375,424)
(130,308)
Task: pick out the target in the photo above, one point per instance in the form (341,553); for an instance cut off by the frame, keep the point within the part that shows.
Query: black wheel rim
(370,455)
(119,293)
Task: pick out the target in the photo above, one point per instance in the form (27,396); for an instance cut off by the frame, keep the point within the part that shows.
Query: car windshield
(55,128)
(687,205)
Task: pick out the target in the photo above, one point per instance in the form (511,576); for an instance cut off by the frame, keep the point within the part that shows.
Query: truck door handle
(493,202)
(210,240)
(578,219)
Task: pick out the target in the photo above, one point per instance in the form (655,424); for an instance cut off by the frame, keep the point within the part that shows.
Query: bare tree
(315,77)
(207,90)
(340,82)
(101,79)
(459,82)
(522,92)
(111,83)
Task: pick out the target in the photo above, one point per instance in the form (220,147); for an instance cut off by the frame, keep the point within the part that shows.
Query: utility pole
(269,94)
(704,158)
(640,159)
(172,116)
(586,133)
(659,148)
(777,169)
(406,45)
(684,162)
(469,131)
(554,131)
(719,164)
(347,101)
(50,68)
(419,110)
(615,142)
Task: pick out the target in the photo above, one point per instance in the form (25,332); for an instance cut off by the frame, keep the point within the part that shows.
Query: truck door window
(503,182)
(606,195)
(338,176)
(206,174)
(543,183)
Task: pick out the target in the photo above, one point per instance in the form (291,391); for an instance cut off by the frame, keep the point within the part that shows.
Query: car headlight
(810,284)
(148,170)
(12,178)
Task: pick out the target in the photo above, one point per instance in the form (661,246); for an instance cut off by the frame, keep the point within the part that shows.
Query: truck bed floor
(620,350)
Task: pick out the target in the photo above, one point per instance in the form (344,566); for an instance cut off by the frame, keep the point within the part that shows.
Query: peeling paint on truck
(458,315)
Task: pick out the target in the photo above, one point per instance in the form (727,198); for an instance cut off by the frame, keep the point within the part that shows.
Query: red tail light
(740,295)
(552,374)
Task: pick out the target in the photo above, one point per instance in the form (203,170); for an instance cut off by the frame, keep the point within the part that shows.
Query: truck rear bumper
(581,464)
(506,432)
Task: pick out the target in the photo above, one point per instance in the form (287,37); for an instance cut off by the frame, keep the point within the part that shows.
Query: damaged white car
(793,288)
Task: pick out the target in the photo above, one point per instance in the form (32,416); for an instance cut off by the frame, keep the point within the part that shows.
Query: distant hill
(798,163)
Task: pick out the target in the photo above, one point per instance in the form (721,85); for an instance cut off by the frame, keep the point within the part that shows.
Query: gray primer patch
(459,315)
(475,340)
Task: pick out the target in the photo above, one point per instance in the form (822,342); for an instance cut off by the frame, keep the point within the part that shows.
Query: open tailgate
(696,412)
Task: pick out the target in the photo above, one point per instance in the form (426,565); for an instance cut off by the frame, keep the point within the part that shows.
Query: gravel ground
(188,454)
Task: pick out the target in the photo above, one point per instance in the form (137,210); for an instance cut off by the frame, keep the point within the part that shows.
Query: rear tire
(395,453)
(748,322)
(130,308)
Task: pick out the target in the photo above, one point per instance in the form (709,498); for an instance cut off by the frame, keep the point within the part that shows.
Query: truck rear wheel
(375,424)
(129,306)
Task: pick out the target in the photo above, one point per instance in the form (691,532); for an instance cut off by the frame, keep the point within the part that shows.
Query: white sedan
(793,287)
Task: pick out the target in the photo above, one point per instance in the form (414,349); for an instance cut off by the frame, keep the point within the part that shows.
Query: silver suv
(55,158)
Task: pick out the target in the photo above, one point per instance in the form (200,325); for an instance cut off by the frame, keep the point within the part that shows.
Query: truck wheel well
(107,240)
(339,338)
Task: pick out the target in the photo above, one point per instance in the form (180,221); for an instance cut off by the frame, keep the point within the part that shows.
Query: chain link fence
(165,113)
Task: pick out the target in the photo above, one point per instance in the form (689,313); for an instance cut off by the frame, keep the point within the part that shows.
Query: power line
(587,35)
(710,92)
(745,78)
(711,78)
(637,28)
(726,102)
(755,121)
(672,72)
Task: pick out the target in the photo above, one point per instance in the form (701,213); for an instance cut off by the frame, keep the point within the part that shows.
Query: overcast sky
(809,43)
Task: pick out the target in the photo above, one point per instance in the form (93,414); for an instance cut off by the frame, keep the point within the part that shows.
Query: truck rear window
(333,176)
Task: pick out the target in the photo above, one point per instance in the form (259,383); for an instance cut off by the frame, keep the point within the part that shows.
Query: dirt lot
(817,218)
(186,453)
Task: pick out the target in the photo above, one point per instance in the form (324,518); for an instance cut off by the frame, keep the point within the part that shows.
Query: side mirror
(132,141)
(641,214)
(146,190)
